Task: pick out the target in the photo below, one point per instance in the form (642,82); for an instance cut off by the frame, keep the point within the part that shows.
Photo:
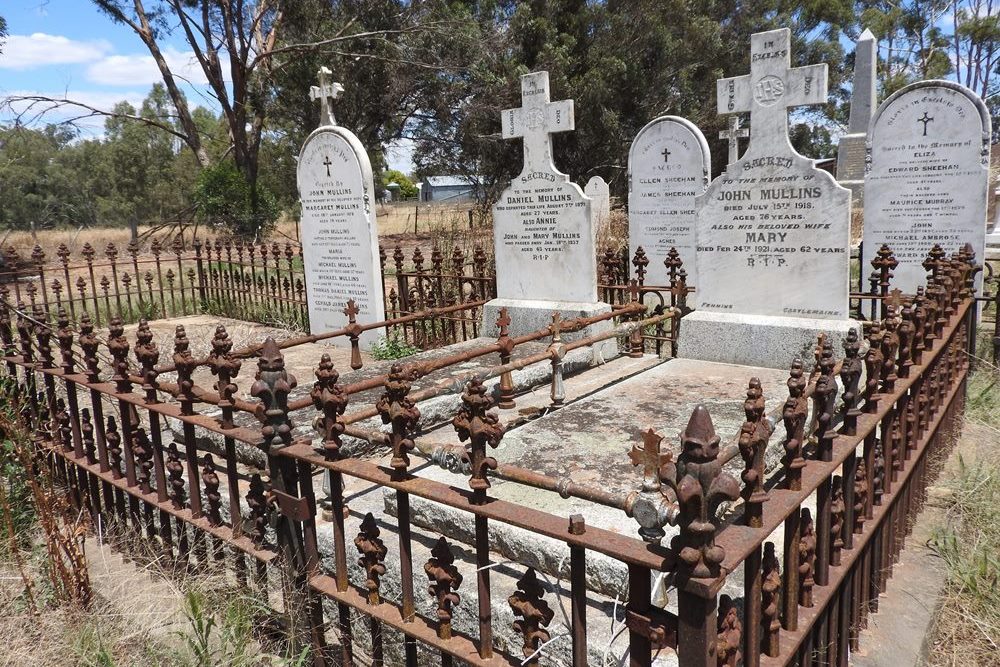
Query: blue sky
(67,48)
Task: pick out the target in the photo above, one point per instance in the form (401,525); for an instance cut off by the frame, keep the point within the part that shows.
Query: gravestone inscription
(338,228)
(669,165)
(597,189)
(543,228)
(928,176)
(773,230)
(543,231)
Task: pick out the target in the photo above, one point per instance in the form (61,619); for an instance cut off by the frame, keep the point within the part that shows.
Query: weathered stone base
(757,340)
(993,238)
(529,316)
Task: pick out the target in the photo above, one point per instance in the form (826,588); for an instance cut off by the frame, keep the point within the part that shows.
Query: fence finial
(272,386)
(395,408)
(700,486)
(331,400)
(475,424)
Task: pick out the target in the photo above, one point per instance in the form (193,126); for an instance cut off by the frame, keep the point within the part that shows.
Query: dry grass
(967,630)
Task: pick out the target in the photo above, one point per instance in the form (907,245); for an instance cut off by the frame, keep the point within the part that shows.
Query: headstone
(600,193)
(928,177)
(773,230)
(851,150)
(669,164)
(732,135)
(993,229)
(543,229)
(339,233)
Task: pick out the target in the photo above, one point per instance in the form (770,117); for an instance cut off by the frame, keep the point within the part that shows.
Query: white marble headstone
(338,228)
(600,193)
(543,230)
(928,176)
(773,231)
(669,165)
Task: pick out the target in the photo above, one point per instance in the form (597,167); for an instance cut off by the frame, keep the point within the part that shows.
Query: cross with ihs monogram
(772,87)
(326,93)
(536,121)
(733,135)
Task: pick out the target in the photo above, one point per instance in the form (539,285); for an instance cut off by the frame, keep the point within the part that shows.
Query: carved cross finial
(649,457)
(556,326)
(733,135)
(326,92)
(772,87)
(536,121)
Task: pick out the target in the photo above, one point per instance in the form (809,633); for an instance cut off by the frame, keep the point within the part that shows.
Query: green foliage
(407,189)
(813,141)
(392,346)
(91,649)
(223,197)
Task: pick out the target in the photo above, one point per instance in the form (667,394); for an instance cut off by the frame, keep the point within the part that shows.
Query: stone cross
(536,121)
(733,135)
(925,119)
(772,87)
(326,93)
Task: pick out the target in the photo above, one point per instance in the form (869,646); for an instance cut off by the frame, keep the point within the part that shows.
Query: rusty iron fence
(854,474)
(429,303)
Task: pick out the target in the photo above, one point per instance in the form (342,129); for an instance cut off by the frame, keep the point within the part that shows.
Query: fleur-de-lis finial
(445,580)
(533,614)
(397,409)
(373,552)
(331,400)
(475,424)
(272,386)
(700,486)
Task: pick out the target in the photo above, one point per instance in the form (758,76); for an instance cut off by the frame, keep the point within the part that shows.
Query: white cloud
(138,69)
(23,52)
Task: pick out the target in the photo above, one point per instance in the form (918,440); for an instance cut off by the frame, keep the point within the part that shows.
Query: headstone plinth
(773,231)
(543,228)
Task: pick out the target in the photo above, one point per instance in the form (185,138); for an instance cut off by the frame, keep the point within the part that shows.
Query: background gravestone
(851,149)
(338,230)
(600,206)
(543,229)
(773,231)
(669,165)
(928,178)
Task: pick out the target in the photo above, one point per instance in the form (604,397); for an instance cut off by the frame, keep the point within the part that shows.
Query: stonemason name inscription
(339,236)
(773,231)
(928,177)
(543,230)
(669,165)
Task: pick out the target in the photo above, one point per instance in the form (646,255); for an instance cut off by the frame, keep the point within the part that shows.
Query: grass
(392,347)
(967,630)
